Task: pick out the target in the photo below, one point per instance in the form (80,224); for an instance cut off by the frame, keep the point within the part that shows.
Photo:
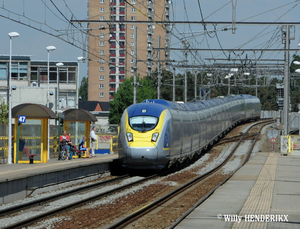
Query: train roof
(198,105)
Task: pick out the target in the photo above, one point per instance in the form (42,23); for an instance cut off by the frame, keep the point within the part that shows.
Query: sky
(52,15)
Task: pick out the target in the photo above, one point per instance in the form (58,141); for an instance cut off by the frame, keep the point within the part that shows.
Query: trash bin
(21,144)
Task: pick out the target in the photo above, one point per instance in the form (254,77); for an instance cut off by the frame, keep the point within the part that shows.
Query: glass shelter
(33,133)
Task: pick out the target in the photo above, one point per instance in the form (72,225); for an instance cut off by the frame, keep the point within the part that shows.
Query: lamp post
(79,59)
(57,96)
(9,155)
(49,48)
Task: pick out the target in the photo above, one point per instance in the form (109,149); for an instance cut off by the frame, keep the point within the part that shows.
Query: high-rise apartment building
(111,42)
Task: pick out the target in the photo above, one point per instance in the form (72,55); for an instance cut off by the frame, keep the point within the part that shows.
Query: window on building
(122,18)
(122,44)
(101,18)
(132,61)
(101,77)
(101,9)
(101,1)
(132,27)
(133,2)
(102,26)
(101,69)
(132,43)
(101,61)
(101,94)
(132,35)
(112,85)
(122,52)
(132,10)
(101,52)
(132,52)
(122,26)
(101,86)
(101,35)
(122,10)
(132,18)
(101,43)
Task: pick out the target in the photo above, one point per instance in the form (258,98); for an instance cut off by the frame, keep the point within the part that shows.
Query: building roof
(94,105)
(15,57)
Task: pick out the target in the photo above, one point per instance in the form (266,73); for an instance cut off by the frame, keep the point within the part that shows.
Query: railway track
(144,216)
(13,211)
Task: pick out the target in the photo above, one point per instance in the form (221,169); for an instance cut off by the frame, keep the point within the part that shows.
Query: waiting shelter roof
(32,110)
(78,115)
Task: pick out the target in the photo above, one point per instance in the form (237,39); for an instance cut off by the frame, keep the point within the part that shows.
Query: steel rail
(57,196)
(224,181)
(44,215)
(148,208)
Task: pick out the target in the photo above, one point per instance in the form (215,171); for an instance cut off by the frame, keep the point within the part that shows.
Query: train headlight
(154,137)
(129,137)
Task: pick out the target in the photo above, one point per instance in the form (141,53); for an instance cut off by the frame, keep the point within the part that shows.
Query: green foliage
(123,98)
(83,89)
(3,112)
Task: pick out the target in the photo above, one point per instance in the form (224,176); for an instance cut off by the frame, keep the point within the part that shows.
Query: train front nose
(142,157)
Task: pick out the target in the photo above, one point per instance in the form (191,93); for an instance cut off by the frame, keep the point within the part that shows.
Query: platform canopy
(34,111)
(78,115)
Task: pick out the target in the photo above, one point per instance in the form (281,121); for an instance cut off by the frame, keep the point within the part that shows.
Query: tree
(123,98)
(83,89)
(3,112)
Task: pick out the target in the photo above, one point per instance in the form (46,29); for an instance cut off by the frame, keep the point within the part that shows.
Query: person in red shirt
(64,142)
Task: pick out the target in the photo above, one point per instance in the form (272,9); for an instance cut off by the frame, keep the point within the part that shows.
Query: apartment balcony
(122,46)
(121,80)
(150,32)
(122,12)
(122,55)
(113,38)
(111,97)
(122,38)
(121,63)
(112,63)
(113,12)
(112,72)
(112,89)
(113,3)
(122,4)
(112,80)
(150,40)
(122,72)
(150,48)
(112,55)
(112,46)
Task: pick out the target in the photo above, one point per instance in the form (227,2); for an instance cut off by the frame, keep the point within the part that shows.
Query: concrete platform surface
(265,193)
(18,180)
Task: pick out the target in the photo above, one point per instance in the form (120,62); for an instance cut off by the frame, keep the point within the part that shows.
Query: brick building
(111,42)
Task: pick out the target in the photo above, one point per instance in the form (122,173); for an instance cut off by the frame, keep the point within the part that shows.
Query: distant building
(30,78)
(111,44)
(99,109)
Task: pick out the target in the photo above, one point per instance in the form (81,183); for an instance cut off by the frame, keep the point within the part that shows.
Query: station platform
(17,181)
(265,193)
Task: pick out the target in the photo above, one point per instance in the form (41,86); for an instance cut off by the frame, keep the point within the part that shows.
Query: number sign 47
(22,118)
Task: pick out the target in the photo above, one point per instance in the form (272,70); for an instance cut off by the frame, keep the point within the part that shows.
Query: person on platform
(82,147)
(93,141)
(64,142)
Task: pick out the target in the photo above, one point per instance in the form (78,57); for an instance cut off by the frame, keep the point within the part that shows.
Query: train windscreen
(143,123)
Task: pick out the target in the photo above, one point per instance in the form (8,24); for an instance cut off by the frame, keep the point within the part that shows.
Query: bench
(31,156)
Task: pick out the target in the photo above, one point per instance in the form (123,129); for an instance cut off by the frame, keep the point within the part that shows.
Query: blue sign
(22,118)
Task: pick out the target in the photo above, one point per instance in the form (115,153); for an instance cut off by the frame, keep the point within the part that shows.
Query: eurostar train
(156,134)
